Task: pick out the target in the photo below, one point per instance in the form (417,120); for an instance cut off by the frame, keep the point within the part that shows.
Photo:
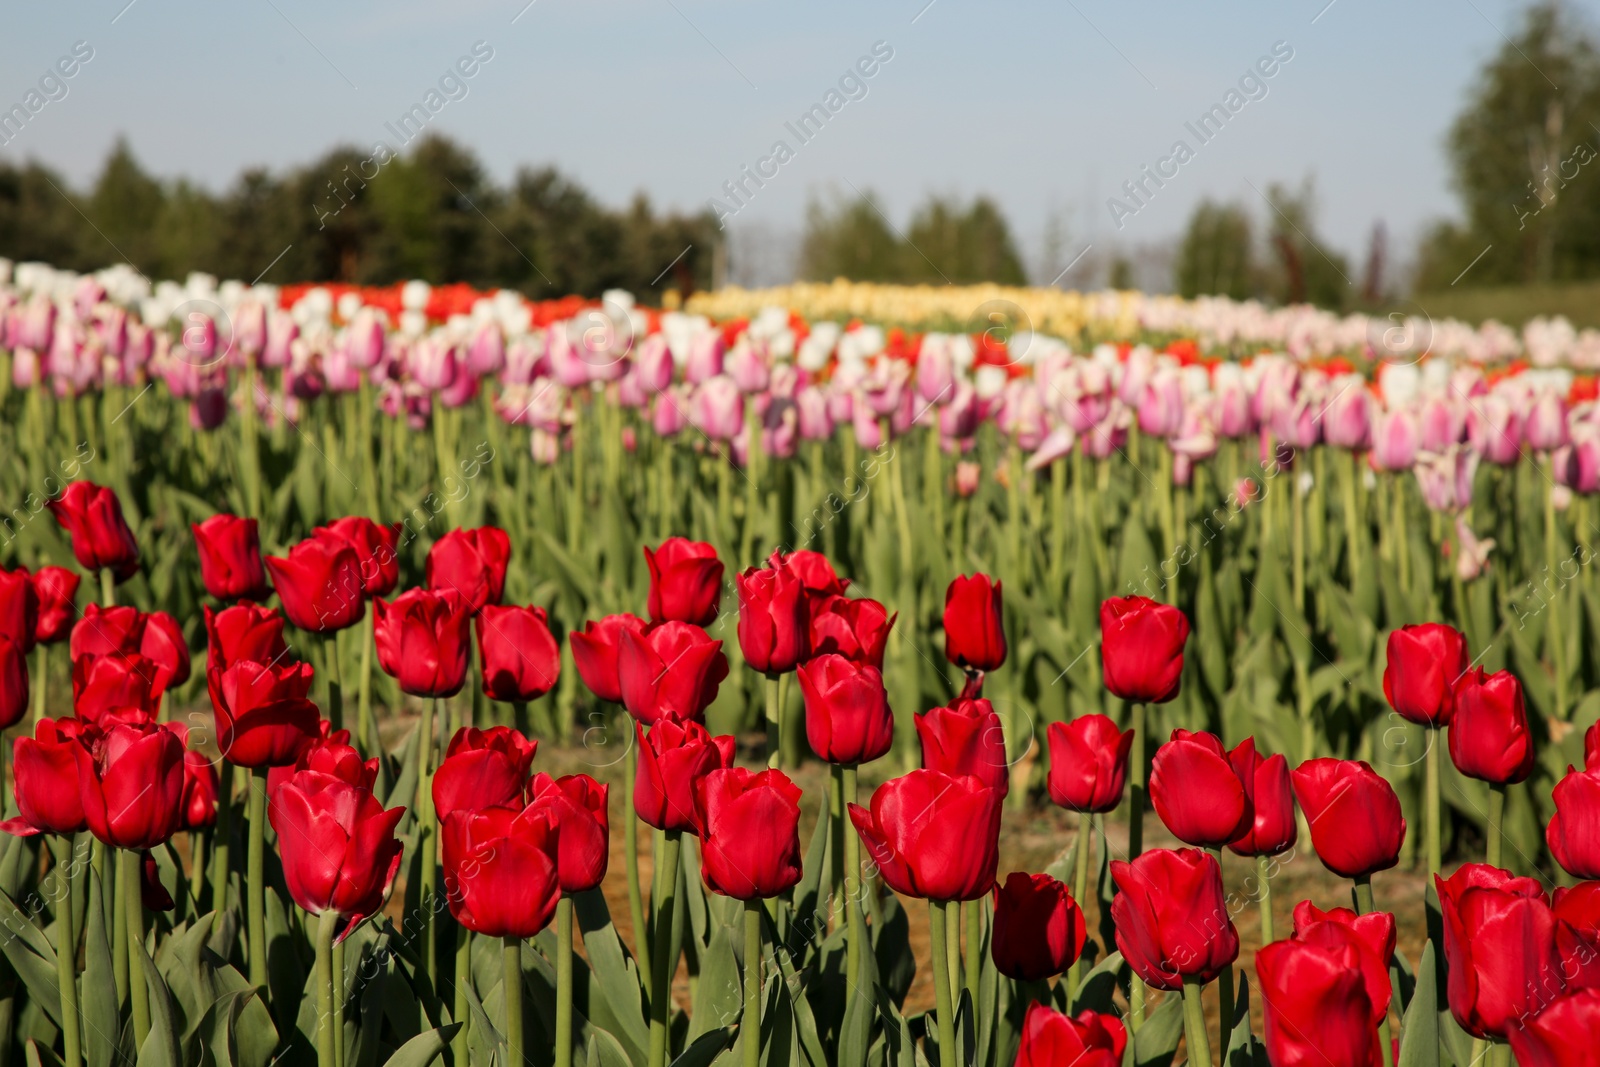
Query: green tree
(1308,269)
(126,208)
(962,246)
(850,239)
(1215,257)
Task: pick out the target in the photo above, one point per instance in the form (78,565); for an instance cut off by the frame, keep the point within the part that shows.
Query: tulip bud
(481,769)
(578,804)
(263,712)
(45,775)
(749,824)
(517,653)
(1088,763)
(685,581)
(1088,1039)
(1171,917)
(1489,735)
(114,682)
(230,558)
(1317,1007)
(933,835)
(854,627)
(773,625)
(338,845)
(319,582)
(671,759)
(1354,814)
(1038,928)
(19,609)
(243,631)
(848,721)
(374,546)
(1500,948)
(1266,784)
(669,671)
(130,779)
(965,738)
(1141,648)
(329,752)
(422,641)
(596,650)
(1424,664)
(13,682)
(1197,793)
(472,563)
(56,589)
(974,627)
(92,517)
(200,788)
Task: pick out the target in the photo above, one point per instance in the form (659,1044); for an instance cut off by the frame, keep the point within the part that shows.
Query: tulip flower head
(579,805)
(596,650)
(517,654)
(131,781)
(1038,928)
(422,640)
(749,825)
(1500,947)
(483,768)
(1172,918)
(1088,763)
(338,845)
(470,563)
(1355,820)
(1271,794)
(1197,793)
(319,583)
(230,557)
(1424,663)
(1490,739)
(91,515)
(773,619)
(848,720)
(685,581)
(56,590)
(672,758)
(669,671)
(933,835)
(264,714)
(966,738)
(974,629)
(1141,648)
(1089,1039)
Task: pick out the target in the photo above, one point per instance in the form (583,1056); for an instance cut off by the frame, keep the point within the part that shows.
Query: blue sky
(1048,107)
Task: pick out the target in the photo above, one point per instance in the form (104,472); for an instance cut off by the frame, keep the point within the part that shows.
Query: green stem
(1558,652)
(66,950)
(335,708)
(107,869)
(41,678)
(197,864)
(974,957)
(750,1026)
(661,998)
(630,838)
(1136,789)
(222,846)
(1497,808)
(255,879)
(774,723)
(366,722)
(855,929)
(941,986)
(138,991)
(338,1003)
(836,831)
(1080,885)
(108,588)
(463,977)
(249,458)
(326,922)
(564,982)
(1298,500)
(511,977)
(1431,786)
(1194,1024)
(1224,982)
(952,946)
(429,829)
(1363,895)
(1264,897)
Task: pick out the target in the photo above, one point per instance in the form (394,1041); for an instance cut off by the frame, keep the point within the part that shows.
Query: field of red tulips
(366,717)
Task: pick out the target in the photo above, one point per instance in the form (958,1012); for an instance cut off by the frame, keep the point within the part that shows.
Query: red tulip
(773,622)
(1317,1009)
(1373,935)
(1419,679)
(578,804)
(502,869)
(162,641)
(1591,747)
(813,571)
(1197,793)
(230,557)
(330,752)
(471,563)
(1088,763)
(13,683)
(1573,833)
(374,545)
(670,671)
(596,649)
(92,517)
(848,720)
(1271,796)
(481,769)
(319,583)
(19,608)
(45,772)
(685,581)
(152,894)
(1577,912)
(517,654)
(337,843)
(856,628)
(56,589)
(130,779)
(102,631)
(671,759)
(243,631)
(1141,648)
(1499,942)
(263,713)
(1051,1038)
(933,835)
(200,788)
(1172,917)
(966,738)
(1038,927)
(422,641)
(1562,1035)
(749,824)
(1489,735)
(1356,826)
(109,683)
(974,627)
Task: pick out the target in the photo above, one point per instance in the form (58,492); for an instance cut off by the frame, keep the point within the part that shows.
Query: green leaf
(703,1049)
(1157,1040)
(719,996)
(97,1001)
(1098,986)
(1243,1048)
(1419,1038)
(424,1048)
(31,956)
(614,976)
(163,1044)
(604,1050)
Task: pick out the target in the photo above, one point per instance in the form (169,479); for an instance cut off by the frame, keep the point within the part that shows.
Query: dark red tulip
(1317,1009)
(517,653)
(92,517)
(263,713)
(56,589)
(1577,912)
(331,753)
(813,571)
(375,548)
(152,894)
(19,608)
(230,557)
(685,581)
(1172,917)
(1373,935)
(1591,747)
(319,583)
(1499,943)
(848,720)
(13,683)
(1489,735)
(1419,680)
(243,631)
(116,681)
(1051,1038)
(1141,648)
(422,641)
(106,630)
(502,869)
(1197,793)
(45,772)
(471,563)
(162,642)
(1088,763)
(1562,1035)
(130,779)
(1356,826)
(1271,795)
(749,824)
(856,628)
(773,621)
(670,671)
(966,738)
(579,806)
(933,835)
(671,759)
(1038,927)
(337,844)
(974,627)
(483,768)
(1573,833)
(596,649)
(200,788)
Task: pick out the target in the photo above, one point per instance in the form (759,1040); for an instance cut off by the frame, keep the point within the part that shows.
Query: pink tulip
(705,357)
(1494,427)
(719,408)
(1395,440)
(812,407)
(1443,424)
(1347,420)
(1546,426)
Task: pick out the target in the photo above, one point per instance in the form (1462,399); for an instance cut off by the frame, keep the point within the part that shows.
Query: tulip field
(413,674)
